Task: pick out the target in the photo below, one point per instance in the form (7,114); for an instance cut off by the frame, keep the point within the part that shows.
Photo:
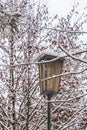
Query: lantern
(49,82)
(49,86)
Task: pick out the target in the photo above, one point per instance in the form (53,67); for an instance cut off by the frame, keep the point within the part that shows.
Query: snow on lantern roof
(45,55)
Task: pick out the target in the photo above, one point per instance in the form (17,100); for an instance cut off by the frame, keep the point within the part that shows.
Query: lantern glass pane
(49,70)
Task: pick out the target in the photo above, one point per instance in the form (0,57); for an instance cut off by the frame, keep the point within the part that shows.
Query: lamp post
(49,87)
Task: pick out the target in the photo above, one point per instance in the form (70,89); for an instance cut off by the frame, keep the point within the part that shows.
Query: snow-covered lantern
(49,68)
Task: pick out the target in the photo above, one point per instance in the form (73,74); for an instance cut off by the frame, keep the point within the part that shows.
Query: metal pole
(49,112)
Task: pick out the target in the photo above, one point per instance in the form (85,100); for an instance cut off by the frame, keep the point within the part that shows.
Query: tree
(27,31)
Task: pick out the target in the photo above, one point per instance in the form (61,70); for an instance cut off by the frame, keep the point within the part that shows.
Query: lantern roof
(46,55)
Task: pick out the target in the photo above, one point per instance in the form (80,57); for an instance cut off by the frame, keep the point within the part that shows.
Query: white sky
(62,7)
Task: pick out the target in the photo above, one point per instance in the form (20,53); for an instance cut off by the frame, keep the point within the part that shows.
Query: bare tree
(27,31)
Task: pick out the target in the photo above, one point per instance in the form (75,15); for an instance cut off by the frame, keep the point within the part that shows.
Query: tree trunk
(12,80)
